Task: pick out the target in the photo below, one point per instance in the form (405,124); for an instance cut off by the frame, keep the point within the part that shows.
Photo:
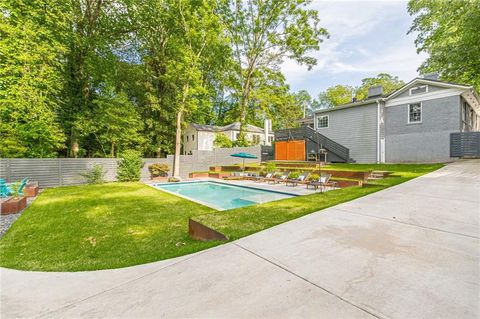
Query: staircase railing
(306,132)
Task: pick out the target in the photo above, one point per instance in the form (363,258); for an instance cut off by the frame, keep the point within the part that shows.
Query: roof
(397,92)
(204,127)
(230,127)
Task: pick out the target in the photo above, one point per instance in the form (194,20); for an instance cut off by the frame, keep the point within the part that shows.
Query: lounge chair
(280,179)
(299,180)
(322,182)
(262,179)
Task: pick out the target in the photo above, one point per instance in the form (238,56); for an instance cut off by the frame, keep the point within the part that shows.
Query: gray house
(412,124)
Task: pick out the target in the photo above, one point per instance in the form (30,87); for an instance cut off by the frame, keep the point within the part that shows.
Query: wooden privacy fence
(50,172)
(290,150)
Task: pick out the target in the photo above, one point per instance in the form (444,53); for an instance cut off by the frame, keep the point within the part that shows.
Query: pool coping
(216,182)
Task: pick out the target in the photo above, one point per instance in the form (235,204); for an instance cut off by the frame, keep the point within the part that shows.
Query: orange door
(290,150)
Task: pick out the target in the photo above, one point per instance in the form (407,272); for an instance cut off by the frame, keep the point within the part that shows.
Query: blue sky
(366,38)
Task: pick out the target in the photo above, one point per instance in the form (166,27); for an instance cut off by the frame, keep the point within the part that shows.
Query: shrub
(158,169)
(313,177)
(294,175)
(221,140)
(242,142)
(173,180)
(270,167)
(95,175)
(15,189)
(129,166)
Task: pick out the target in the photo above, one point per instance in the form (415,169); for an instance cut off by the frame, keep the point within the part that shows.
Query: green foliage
(222,141)
(114,123)
(129,166)
(270,167)
(173,180)
(388,82)
(287,29)
(294,175)
(242,141)
(343,94)
(95,78)
(15,189)
(158,169)
(449,32)
(336,95)
(95,175)
(313,177)
(30,70)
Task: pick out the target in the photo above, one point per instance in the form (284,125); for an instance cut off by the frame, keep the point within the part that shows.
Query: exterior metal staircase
(315,141)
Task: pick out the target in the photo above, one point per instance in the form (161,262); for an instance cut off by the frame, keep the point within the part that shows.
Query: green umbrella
(244,156)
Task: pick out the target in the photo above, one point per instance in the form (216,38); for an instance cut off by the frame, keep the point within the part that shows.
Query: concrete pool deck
(410,251)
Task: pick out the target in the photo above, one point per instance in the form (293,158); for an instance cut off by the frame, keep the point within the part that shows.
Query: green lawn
(100,226)
(122,224)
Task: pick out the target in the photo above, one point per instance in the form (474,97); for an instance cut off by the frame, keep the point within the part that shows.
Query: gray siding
(431,88)
(355,128)
(423,142)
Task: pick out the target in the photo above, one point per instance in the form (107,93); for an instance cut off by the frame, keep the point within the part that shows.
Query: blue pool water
(222,196)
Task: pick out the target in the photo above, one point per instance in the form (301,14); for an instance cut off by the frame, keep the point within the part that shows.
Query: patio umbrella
(244,156)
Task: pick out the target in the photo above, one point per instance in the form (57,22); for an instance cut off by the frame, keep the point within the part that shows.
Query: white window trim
(421,113)
(328,121)
(417,87)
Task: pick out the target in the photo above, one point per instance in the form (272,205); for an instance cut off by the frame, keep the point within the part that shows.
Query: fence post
(8,170)
(60,180)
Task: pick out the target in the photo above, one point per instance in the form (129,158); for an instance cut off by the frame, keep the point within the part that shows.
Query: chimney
(267,127)
(431,76)
(375,91)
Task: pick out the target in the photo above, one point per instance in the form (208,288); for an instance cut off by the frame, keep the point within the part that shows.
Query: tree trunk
(178,137)
(243,108)
(112,151)
(178,145)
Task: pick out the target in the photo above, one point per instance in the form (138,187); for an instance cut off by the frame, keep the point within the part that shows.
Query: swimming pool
(222,196)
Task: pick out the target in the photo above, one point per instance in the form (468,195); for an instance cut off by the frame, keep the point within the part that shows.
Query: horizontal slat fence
(51,172)
(465,144)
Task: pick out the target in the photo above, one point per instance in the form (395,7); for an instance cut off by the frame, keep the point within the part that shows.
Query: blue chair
(5,191)
(22,186)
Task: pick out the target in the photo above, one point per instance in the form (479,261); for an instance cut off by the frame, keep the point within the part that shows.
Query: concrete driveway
(411,251)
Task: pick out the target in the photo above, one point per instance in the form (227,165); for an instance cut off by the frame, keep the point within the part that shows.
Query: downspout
(378,131)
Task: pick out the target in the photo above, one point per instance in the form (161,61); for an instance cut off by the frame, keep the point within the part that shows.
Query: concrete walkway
(411,251)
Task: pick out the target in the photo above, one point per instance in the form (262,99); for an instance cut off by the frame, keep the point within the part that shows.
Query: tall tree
(97,31)
(343,94)
(30,72)
(304,99)
(388,82)
(449,32)
(264,33)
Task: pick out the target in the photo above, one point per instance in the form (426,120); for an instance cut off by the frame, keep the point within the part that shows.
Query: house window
(419,89)
(270,139)
(415,113)
(187,138)
(237,135)
(193,138)
(322,121)
(256,139)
